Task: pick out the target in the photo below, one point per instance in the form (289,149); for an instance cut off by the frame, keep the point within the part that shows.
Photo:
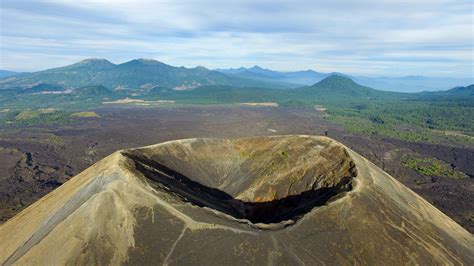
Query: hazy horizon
(367,38)
(247,67)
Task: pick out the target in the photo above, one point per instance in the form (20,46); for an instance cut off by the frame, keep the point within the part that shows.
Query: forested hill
(137,74)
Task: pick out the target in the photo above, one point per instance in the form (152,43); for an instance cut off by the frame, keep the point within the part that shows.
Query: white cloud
(372,37)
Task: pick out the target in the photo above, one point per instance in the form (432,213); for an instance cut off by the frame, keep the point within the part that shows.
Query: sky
(371,38)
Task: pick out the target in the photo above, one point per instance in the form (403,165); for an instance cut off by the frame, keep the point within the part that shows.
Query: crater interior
(261,179)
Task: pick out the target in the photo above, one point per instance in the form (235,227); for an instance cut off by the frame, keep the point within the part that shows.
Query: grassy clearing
(433,167)
(31,114)
(35,117)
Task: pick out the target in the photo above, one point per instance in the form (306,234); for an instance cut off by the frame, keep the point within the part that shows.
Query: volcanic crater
(274,200)
(249,179)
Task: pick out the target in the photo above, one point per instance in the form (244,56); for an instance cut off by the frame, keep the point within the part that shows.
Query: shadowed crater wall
(259,180)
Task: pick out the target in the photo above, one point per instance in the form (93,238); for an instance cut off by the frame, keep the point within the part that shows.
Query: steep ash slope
(282,199)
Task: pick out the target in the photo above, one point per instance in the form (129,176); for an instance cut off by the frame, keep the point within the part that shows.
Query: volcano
(260,200)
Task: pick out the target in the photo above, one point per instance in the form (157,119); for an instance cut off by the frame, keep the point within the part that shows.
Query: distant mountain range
(305,77)
(138,74)
(310,77)
(6,73)
(146,74)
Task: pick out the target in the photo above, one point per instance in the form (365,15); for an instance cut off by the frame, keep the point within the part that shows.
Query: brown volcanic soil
(35,160)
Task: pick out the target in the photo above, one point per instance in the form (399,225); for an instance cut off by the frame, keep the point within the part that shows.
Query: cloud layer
(390,38)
